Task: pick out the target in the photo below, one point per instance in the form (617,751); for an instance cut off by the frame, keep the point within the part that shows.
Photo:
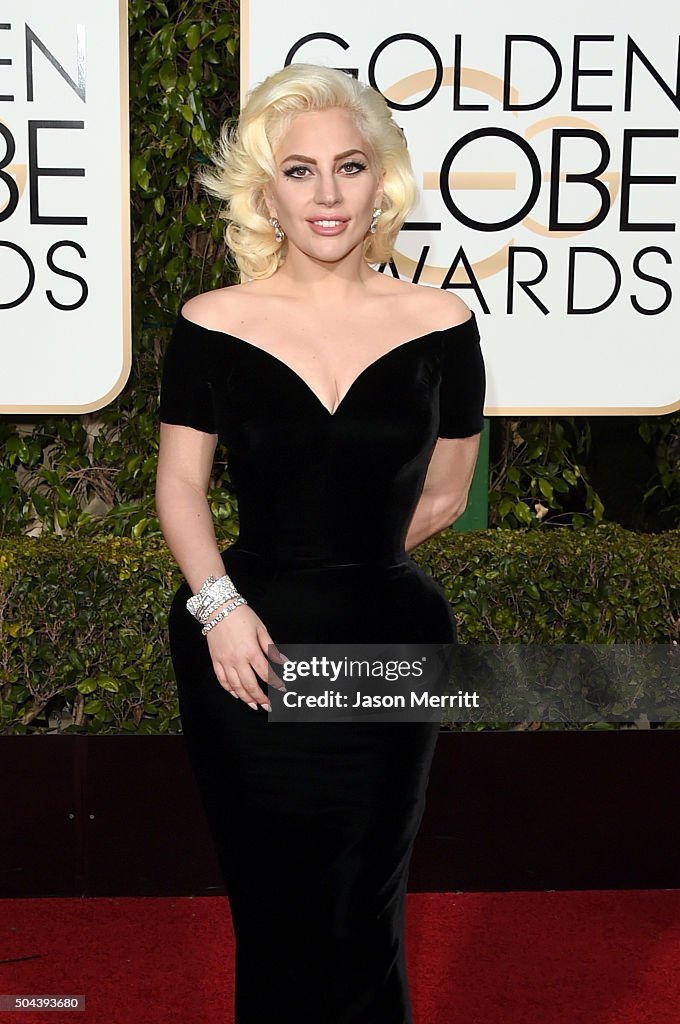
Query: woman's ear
(269,203)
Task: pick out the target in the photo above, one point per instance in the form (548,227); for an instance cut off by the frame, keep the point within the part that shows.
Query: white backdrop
(65,340)
(486,177)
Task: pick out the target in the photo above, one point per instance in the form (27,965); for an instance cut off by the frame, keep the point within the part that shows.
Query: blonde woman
(350,404)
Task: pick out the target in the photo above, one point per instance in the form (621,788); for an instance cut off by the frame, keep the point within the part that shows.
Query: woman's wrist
(216,595)
(223,613)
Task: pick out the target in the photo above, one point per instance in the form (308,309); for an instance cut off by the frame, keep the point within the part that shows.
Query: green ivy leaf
(167,75)
(137,165)
(193,36)
(222,32)
(545,488)
(87,686)
(173,268)
(522,512)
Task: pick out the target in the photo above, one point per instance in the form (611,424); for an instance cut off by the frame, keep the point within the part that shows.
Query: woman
(350,404)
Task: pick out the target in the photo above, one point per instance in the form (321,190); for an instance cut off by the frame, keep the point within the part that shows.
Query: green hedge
(83,623)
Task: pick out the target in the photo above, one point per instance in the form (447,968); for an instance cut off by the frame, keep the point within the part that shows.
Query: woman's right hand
(238,647)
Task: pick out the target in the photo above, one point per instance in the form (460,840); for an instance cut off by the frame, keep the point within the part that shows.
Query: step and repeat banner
(545,146)
(65,339)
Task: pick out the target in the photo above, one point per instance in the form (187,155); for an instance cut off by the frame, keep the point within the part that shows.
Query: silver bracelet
(219,592)
(196,600)
(223,614)
(212,594)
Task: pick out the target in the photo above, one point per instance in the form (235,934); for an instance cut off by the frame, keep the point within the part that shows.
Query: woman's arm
(445,491)
(240,644)
(185,461)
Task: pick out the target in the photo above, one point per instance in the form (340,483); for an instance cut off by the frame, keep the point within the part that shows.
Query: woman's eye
(356,165)
(291,172)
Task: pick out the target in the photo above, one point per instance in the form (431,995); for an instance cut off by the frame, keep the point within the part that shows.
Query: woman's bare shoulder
(211,309)
(446,308)
(438,306)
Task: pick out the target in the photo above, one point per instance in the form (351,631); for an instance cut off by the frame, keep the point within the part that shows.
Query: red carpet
(609,957)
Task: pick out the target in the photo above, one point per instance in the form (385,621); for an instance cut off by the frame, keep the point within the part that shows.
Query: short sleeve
(186,396)
(463,382)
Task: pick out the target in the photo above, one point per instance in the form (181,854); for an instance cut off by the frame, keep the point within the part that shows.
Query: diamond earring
(374,223)
(278,231)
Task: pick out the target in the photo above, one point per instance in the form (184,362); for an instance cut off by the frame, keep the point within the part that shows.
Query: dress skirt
(313,823)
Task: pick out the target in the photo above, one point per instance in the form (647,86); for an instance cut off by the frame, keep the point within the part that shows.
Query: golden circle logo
(449,182)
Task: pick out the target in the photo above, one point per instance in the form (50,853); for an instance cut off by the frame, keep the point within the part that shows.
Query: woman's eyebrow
(311,160)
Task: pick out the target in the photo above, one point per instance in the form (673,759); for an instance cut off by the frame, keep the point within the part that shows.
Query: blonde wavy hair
(244,162)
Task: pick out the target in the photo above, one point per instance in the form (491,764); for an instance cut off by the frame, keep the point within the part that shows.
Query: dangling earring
(278,231)
(374,223)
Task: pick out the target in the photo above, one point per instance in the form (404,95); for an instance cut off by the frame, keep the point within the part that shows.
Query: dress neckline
(360,376)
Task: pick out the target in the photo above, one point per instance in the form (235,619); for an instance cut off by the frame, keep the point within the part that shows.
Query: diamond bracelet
(194,602)
(217,595)
(223,614)
(212,594)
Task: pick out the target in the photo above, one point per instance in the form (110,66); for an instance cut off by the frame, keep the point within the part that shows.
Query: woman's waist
(300,561)
(367,599)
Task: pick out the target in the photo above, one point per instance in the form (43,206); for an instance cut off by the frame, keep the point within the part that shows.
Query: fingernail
(267,707)
(233,694)
(253,705)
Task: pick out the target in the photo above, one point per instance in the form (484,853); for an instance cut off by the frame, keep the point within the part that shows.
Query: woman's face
(326,186)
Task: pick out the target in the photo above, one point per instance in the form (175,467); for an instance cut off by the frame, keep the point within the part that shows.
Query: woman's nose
(327,189)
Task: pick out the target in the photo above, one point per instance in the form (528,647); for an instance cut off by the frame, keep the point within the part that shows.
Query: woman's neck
(325,284)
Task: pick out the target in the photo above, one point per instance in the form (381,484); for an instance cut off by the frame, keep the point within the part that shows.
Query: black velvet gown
(314,823)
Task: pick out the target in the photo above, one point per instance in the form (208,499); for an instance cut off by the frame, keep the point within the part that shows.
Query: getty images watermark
(570,683)
(348,682)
